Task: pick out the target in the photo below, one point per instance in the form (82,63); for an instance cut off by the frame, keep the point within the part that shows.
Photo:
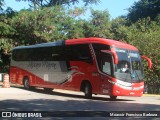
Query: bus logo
(6,114)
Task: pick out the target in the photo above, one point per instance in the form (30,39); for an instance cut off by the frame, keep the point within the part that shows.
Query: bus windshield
(129,67)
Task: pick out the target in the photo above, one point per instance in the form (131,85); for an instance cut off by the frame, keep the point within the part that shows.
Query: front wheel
(113,97)
(88,91)
(26,83)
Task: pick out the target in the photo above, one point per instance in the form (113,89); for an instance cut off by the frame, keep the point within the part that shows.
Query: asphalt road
(18,99)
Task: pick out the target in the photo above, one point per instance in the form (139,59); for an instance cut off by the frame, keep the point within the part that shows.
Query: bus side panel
(38,72)
(13,74)
(17,75)
(77,74)
(82,71)
(42,74)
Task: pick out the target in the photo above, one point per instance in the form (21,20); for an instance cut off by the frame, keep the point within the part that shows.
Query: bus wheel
(88,91)
(48,89)
(26,83)
(113,97)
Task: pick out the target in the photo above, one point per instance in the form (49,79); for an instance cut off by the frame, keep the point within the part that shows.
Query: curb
(150,95)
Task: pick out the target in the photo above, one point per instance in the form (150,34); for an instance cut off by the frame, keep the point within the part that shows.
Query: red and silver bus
(90,65)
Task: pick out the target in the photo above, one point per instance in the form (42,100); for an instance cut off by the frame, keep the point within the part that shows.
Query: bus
(91,65)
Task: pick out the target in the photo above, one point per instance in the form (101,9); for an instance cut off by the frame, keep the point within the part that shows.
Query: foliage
(1,4)
(31,27)
(5,45)
(144,9)
(98,25)
(49,3)
(119,28)
(45,25)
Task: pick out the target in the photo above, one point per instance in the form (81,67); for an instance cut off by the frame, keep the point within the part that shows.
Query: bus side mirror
(148,60)
(113,54)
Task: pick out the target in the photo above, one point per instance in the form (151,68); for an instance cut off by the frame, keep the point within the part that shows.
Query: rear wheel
(26,83)
(48,89)
(88,91)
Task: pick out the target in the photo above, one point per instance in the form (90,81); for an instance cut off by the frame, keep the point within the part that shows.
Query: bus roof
(57,43)
(82,41)
(101,41)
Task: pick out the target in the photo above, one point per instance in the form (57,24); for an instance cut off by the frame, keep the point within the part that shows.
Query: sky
(115,7)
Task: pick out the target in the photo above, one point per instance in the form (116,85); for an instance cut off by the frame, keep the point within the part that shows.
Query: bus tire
(113,98)
(88,91)
(26,83)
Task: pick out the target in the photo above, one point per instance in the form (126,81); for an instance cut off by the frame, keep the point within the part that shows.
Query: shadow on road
(96,104)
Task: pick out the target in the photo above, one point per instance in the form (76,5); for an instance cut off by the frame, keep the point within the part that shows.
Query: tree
(99,24)
(1,4)
(48,24)
(144,9)
(119,28)
(50,3)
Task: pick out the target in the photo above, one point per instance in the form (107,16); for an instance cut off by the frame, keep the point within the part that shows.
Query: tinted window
(98,47)
(55,53)
(78,53)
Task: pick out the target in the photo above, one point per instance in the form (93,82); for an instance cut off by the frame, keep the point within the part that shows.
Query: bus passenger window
(78,53)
